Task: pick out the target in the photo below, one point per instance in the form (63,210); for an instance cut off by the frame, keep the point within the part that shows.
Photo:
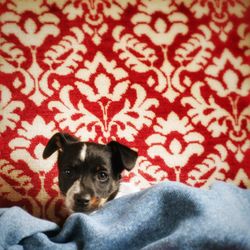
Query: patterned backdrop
(170,79)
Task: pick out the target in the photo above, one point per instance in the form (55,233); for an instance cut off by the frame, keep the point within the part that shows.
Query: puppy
(89,173)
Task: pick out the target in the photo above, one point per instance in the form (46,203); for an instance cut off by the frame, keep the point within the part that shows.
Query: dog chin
(74,208)
(87,210)
(77,209)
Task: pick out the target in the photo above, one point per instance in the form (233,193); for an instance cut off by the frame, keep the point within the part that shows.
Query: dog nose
(82,200)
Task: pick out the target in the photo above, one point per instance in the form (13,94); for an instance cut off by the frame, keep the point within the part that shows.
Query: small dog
(89,173)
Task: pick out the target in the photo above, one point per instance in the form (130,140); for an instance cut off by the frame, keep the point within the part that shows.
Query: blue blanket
(166,216)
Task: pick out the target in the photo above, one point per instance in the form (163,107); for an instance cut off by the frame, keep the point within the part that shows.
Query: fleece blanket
(166,216)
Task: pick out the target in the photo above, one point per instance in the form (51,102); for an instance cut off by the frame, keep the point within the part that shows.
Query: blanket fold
(168,215)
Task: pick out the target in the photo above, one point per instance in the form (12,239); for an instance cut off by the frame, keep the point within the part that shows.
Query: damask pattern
(168,78)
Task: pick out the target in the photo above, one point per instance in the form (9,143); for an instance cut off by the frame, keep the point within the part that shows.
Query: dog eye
(67,172)
(102,176)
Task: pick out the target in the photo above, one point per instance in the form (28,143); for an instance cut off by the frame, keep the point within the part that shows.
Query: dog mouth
(80,206)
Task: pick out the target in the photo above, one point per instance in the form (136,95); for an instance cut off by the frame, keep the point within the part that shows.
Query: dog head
(89,173)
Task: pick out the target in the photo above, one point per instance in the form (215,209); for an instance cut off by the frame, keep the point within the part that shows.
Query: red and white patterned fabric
(170,79)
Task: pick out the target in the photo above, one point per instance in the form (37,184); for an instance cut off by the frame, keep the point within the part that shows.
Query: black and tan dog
(89,173)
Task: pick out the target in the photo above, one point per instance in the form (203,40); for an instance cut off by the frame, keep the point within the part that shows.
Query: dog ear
(122,156)
(57,142)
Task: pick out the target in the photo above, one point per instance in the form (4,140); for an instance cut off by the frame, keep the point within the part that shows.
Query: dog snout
(82,200)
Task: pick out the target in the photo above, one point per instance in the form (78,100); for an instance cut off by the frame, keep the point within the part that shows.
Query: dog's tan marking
(97,202)
(102,201)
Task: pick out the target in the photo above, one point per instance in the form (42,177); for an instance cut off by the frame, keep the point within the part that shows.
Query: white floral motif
(108,89)
(35,83)
(193,56)
(208,113)
(198,41)
(32,32)
(145,174)
(76,118)
(70,44)
(130,47)
(102,81)
(240,178)
(83,123)
(219,121)
(133,116)
(95,24)
(215,164)
(14,53)
(28,150)
(165,30)
(95,16)
(21,145)
(8,117)
(244,34)
(19,186)
(220,12)
(162,31)
(233,83)
(230,82)
(177,154)
(202,8)
(19,181)
(29,33)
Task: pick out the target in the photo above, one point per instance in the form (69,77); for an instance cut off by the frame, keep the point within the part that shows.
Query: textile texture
(170,79)
(165,216)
